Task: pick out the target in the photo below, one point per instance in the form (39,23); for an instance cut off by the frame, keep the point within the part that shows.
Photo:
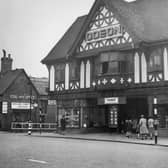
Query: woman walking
(143,127)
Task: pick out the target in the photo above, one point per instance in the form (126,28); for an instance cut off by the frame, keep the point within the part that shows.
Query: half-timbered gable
(104,30)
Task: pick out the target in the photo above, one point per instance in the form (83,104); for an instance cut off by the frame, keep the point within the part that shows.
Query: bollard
(156,130)
(156,136)
(29,128)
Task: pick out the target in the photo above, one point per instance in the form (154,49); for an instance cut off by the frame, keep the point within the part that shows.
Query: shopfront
(22,111)
(78,113)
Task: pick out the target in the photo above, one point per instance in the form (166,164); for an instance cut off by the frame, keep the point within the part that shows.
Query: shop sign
(52,102)
(26,97)
(21,105)
(111,100)
(104,33)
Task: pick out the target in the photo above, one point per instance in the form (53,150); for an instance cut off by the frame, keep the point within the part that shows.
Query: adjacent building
(41,84)
(112,65)
(21,96)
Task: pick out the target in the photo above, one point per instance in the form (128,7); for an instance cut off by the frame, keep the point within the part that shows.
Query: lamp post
(30,111)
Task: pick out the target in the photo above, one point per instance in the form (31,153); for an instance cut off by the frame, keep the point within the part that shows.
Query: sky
(29,29)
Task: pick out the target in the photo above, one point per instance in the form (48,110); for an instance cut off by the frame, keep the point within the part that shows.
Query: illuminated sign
(111,100)
(104,33)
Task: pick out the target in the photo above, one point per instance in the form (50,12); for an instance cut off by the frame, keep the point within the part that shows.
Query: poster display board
(113,117)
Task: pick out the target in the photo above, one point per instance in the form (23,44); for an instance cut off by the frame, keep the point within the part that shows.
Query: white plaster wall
(82,75)
(143,68)
(52,78)
(66,76)
(165,61)
(88,74)
(136,68)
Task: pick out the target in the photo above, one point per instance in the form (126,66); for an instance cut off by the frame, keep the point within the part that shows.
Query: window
(114,67)
(115,63)
(155,60)
(104,67)
(60,73)
(71,110)
(74,71)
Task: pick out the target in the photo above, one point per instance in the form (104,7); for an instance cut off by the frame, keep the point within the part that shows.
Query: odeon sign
(104,33)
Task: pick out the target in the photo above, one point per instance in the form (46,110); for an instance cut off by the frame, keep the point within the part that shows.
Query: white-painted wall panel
(88,74)
(143,68)
(82,75)
(136,68)
(66,76)
(165,61)
(52,78)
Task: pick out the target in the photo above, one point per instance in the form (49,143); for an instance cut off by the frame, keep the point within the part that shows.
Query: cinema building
(112,65)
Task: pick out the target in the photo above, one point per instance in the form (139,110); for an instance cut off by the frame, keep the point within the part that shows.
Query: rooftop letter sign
(104,33)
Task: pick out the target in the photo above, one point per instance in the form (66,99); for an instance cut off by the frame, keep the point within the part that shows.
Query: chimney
(6,62)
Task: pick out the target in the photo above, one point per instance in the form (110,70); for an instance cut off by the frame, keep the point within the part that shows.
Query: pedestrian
(151,126)
(63,124)
(128,128)
(138,131)
(134,125)
(122,127)
(143,127)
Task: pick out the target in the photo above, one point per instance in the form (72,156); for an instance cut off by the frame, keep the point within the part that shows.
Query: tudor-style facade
(107,73)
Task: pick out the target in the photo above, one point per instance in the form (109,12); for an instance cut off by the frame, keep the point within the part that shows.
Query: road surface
(22,151)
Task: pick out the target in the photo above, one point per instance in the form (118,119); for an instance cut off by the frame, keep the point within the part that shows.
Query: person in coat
(151,127)
(63,123)
(143,127)
(128,128)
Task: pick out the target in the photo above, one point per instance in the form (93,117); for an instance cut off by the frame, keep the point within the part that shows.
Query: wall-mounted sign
(52,102)
(111,100)
(21,105)
(5,107)
(104,33)
(27,97)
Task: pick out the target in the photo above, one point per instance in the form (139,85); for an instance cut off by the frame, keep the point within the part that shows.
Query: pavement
(108,137)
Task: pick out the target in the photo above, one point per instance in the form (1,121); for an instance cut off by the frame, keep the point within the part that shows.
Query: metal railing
(35,126)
